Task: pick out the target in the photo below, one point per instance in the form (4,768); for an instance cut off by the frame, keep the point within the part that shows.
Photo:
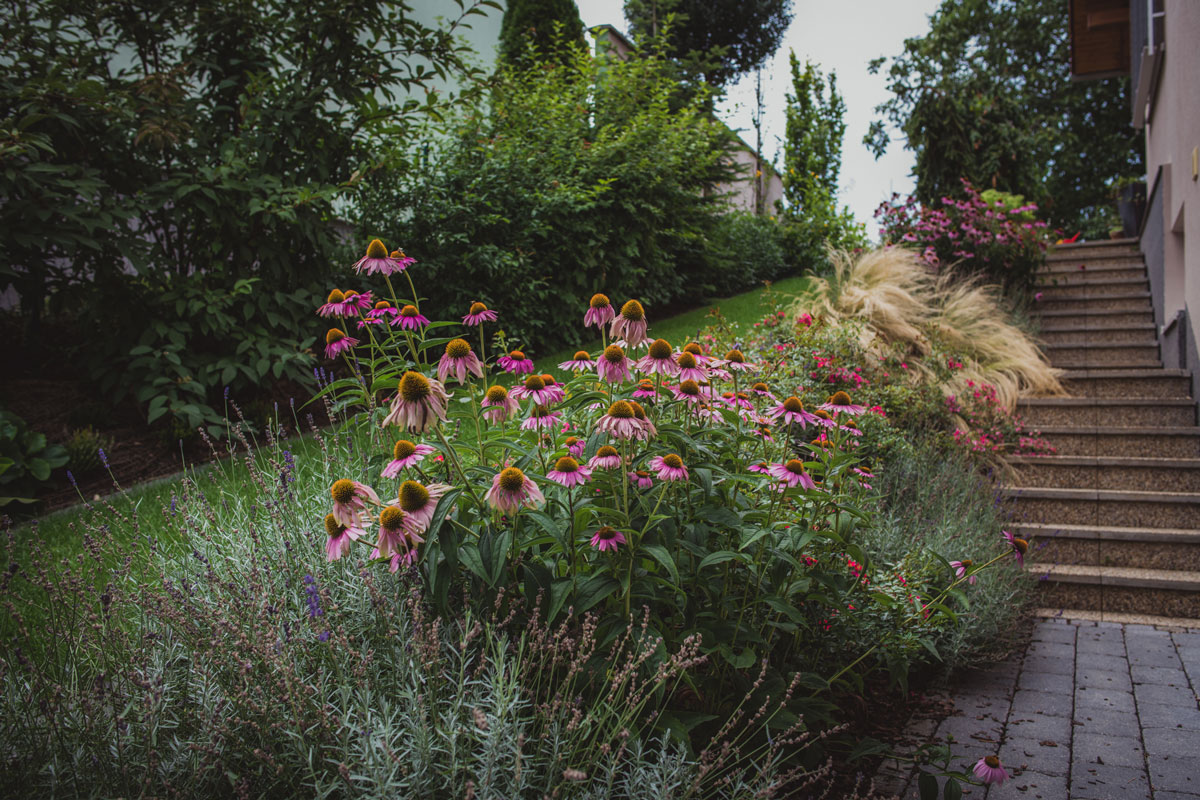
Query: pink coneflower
(575,446)
(411,319)
(669,467)
(459,360)
(607,538)
(839,403)
(394,534)
(659,359)
(761,467)
(823,419)
(541,417)
(613,365)
(568,472)
(865,475)
(1019,546)
(620,422)
(349,501)
(420,403)
(649,431)
(403,262)
(515,362)
(689,368)
(337,342)
(479,314)
(599,313)
(580,361)
(640,478)
(405,454)
(341,537)
(418,503)
(689,392)
(554,389)
(498,405)
(398,559)
(630,324)
(740,400)
(791,474)
(378,260)
(702,358)
(988,770)
(735,361)
(336,305)
(645,391)
(961,568)
(791,411)
(511,490)
(385,312)
(359,301)
(762,390)
(536,390)
(606,457)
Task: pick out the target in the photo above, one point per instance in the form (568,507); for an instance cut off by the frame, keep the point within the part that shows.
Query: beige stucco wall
(1172,132)
(742,189)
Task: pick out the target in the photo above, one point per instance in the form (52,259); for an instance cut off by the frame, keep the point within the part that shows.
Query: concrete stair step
(1107,301)
(1102,441)
(1107,472)
(1103,247)
(1094,319)
(1151,383)
(1127,509)
(1147,412)
(1047,285)
(1122,356)
(1112,546)
(1142,333)
(1127,590)
(1113,268)
(1115,617)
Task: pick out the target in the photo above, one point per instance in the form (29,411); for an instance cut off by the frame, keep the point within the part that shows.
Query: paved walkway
(1090,711)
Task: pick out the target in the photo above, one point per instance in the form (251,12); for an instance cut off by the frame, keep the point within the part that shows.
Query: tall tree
(812,149)
(718,40)
(552,25)
(987,95)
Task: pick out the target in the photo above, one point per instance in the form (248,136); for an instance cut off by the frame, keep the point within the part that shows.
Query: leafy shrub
(84,448)
(747,248)
(26,460)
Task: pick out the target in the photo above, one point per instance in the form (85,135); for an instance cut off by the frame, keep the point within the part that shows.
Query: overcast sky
(841,36)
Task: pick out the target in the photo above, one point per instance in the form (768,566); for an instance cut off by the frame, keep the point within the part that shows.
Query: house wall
(1172,135)
(741,189)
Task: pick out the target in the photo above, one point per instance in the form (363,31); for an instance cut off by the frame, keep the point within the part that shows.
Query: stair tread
(1108,461)
(1106,532)
(1120,326)
(1098,312)
(1127,241)
(1132,496)
(1102,280)
(1130,400)
(1098,372)
(1117,617)
(1109,430)
(1121,576)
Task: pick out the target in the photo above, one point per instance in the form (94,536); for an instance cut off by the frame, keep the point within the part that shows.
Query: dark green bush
(26,460)
(747,249)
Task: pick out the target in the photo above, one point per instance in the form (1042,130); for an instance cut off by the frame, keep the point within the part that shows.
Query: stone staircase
(1115,514)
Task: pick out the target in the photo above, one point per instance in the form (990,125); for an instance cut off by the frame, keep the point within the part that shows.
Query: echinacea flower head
(689,392)
(640,478)
(541,418)
(989,770)
(1019,546)
(403,262)
(575,446)
(535,389)
(418,502)
(580,361)
(659,359)
(620,422)
(516,363)
(639,413)
(762,390)
(669,467)
(761,467)
(688,368)
(791,474)
(459,360)
(405,454)
(340,537)
(600,312)
(568,472)
(630,324)
(394,534)
(411,319)
(736,361)
(420,403)
(378,260)
(511,490)
(697,352)
(824,418)
(554,389)
(349,501)
(336,305)
(839,403)
(645,390)
(607,538)
(385,311)
(337,342)
(606,457)
(792,410)
(479,314)
(613,364)
(498,404)
(962,568)
(739,400)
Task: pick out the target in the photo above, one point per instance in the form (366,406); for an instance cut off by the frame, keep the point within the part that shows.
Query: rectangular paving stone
(1045,682)
(967,729)
(1169,716)
(1051,649)
(1099,662)
(1174,773)
(1054,632)
(1165,695)
(1154,658)
(1041,728)
(1117,681)
(1051,758)
(1172,742)
(1053,664)
(1159,675)
(1103,698)
(1029,703)
(979,707)
(1095,748)
(1105,721)
(1183,639)
(1030,785)
(1104,782)
(1174,795)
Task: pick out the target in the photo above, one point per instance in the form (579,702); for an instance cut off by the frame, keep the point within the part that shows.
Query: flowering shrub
(977,236)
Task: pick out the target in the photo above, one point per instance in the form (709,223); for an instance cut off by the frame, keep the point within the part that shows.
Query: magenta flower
(340,537)
(762,390)
(535,389)
(739,401)
(620,422)
(630,324)
(554,389)
(613,365)
(607,538)
(735,361)
(405,454)
(378,260)
(582,360)
(659,359)
(988,770)
(839,403)
(791,474)
(418,503)
(1019,546)
(420,403)
(640,478)
(645,391)
(606,457)
(669,467)
(394,534)
(515,362)
(411,319)
(479,314)
(541,418)
(337,342)
(760,467)
(568,472)
(384,312)
(689,368)
(961,568)
(349,501)
(459,360)
(648,429)
(689,392)
(336,305)
(792,410)
(575,446)
(511,490)
(498,405)
(599,313)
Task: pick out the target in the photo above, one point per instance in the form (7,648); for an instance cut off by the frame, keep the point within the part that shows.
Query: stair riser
(1096,321)
(1145,416)
(1103,269)
(1133,479)
(1158,445)
(1093,253)
(1099,386)
(1084,291)
(1121,513)
(1078,304)
(1133,356)
(1120,599)
(1147,555)
(1143,337)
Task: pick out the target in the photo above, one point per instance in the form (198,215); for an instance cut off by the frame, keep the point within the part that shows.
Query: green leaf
(39,468)
(720,557)
(593,590)
(953,790)
(660,554)
(928,786)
